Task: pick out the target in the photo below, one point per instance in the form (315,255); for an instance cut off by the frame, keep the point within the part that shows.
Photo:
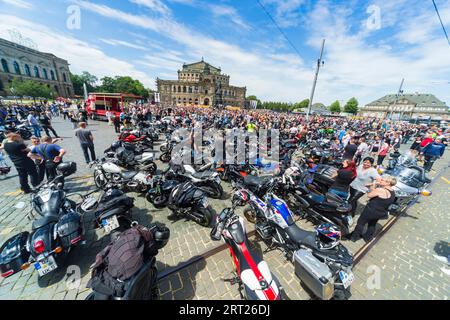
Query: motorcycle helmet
(328,236)
(161,235)
(115,146)
(67,168)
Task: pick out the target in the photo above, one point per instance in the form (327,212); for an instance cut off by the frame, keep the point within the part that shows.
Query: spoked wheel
(250,214)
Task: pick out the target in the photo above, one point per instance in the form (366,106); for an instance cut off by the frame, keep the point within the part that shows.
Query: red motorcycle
(252,274)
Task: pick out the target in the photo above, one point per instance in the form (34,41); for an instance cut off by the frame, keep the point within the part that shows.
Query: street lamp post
(319,63)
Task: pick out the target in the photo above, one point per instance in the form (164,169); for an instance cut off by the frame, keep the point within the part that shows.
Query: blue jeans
(37,130)
(341,194)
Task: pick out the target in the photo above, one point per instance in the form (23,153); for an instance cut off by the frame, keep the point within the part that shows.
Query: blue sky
(366,54)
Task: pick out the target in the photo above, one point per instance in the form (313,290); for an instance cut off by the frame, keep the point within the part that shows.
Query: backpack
(121,260)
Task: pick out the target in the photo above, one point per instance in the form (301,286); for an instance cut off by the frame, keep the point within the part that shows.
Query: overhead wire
(442,24)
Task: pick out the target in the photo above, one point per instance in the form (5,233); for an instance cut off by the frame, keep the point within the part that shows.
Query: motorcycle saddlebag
(13,254)
(314,274)
(69,229)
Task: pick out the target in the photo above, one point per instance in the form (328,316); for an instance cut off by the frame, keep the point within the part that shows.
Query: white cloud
(81,55)
(115,43)
(19,3)
(155,5)
(229,12)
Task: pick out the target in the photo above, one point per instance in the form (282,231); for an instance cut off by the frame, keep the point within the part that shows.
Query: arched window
(36,72)
(184,88)
(16,68)
(5,65)
(56,90)
(190,89)
(44,71)
(1,85)
(52,75)
(196,101)
(64,77)
(179,88)
(190,100)
(184,100)
(27,70)
(179,100)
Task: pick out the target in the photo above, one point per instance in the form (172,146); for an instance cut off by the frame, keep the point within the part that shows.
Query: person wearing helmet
(381,196)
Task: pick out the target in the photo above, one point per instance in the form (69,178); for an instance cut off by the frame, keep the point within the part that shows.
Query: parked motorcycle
(187,200)
(106,171)
(207,180)
(58,230)
(252,274)
(132,157)
(321,261)
(142,285)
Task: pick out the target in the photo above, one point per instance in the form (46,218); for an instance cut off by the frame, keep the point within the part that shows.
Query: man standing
(432,152)
(47,125)
(86,140)
(50,153)
(17,152)
(32,122)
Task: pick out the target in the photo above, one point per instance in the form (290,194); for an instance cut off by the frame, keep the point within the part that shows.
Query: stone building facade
(201,84)
(407,107)
(21,62)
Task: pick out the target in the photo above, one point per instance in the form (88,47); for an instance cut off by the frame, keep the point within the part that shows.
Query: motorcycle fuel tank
(111,168)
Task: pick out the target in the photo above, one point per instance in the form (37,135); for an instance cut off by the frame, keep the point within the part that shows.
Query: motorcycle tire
(160,201)
(214,191)
(208,216)
(341,294)
(165,157)
(250,214)
(164,148)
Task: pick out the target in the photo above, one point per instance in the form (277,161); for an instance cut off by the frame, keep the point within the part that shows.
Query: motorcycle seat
(203,174)
(332,198)
(39,223)
(301,236)
(255,181)
(128,175)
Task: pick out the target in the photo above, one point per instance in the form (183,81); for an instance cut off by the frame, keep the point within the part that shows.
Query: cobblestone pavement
(201,280)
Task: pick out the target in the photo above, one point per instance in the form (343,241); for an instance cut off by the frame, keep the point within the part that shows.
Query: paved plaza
(407,256)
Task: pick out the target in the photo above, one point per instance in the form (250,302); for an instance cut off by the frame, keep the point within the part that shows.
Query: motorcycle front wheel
(99,179)
(165,157)
(207,215)
(250,214)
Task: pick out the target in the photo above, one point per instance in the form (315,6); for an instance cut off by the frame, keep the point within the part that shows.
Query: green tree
(79,80)
(302,104)
(258,102)
(335,107)
(31,88)
(123,85)
(351,106)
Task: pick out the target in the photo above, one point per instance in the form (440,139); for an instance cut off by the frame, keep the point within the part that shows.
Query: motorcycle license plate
(45,266)
(346,278)
(110,224)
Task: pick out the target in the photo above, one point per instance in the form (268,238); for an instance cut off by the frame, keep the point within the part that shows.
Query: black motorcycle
(58,230)
(187,200)
(143,284)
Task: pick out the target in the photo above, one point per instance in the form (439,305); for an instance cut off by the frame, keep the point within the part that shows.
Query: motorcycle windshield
(409,176)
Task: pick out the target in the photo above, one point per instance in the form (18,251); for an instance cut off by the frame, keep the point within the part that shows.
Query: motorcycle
(108,172)
(324,267)
(142,285)
(53,235)
(252,274)
(4,168)
(112,209)
(411,182)
(187,200)
(132,157)
(207,180)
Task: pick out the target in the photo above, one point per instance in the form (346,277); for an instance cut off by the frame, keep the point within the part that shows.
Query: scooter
(252,275)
